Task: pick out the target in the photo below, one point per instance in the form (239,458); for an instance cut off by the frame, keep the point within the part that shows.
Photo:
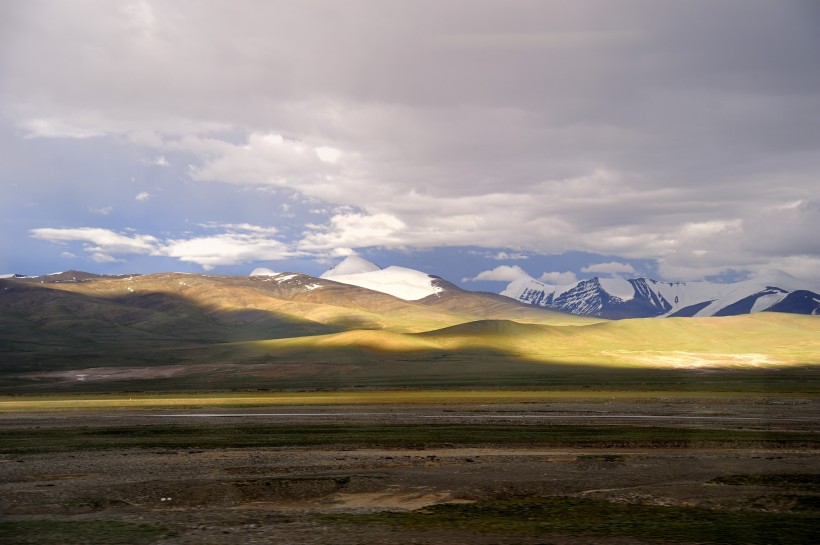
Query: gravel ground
(246,496)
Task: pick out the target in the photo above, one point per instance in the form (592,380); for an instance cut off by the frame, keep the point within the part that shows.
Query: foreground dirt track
(272,495)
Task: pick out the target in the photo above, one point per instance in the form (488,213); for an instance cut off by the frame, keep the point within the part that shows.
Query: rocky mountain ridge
(646,297)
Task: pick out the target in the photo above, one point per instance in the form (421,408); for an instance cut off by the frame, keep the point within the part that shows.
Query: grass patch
(806,481)
(574,516)
(22,441)
(608,458)
(91,532)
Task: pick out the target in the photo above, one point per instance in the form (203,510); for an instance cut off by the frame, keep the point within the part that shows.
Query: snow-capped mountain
(407,284)
(351,265)
(262,271)
(644,297)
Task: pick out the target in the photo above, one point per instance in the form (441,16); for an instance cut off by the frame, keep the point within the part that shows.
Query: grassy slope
(738,341)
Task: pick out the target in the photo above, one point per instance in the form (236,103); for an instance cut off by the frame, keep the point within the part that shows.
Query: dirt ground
(260,496)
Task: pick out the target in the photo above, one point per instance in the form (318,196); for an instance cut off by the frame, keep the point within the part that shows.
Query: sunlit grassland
(760,340)
(144,401)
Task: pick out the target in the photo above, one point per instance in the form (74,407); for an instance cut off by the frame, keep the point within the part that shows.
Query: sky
(475,140)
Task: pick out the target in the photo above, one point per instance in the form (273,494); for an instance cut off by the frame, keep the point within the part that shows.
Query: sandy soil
(247,496)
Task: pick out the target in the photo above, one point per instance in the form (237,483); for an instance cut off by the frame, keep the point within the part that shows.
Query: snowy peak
(599,297)
(407,284)
(645,297)
(262,271)
(351,265)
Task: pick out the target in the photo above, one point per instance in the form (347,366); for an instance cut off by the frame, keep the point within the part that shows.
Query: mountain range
(359,325)
(608,298)
(644,297)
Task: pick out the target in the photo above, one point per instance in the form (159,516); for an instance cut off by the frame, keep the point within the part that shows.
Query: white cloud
(102,257)
(559,278)
(241,227)
(270,160)
(243,243)
(68,255)
(328,154)
(502,256)
(102,244)
(355,230)
(613,268)
(227,249)
(104,211)
(343,252)
(775,238)
(161,161)
(58,128)
(502,273)
(143,196)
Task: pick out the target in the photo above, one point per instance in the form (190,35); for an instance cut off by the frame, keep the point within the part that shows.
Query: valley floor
(736,471)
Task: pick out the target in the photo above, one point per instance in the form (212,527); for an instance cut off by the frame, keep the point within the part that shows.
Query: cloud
(328,154)
(780,236)
(501,256)
(605,131)
(540,40)
(227,249)
(102,244)
(559,278)
(143,196)
(104,211)
(613,268)
(502,273)
(57,128)
(243,243)
(256,229)
(355,230)
(274,160)
(161,161)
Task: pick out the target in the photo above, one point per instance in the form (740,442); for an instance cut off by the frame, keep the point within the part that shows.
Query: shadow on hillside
(237,367)
(42,328)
